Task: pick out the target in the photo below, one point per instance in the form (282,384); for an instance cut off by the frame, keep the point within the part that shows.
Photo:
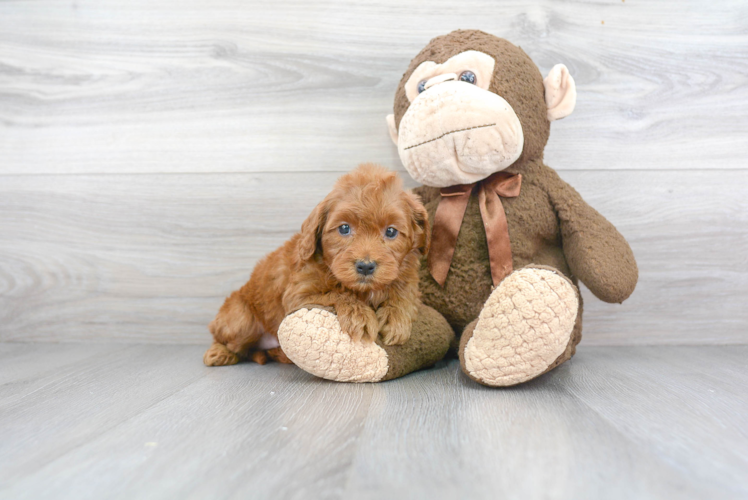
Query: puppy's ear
(311,231)
(420,221)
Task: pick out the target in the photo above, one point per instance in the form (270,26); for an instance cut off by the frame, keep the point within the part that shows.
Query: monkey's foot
(524,326)
(313,340)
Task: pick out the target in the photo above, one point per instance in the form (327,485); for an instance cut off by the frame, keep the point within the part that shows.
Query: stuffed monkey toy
(510,239)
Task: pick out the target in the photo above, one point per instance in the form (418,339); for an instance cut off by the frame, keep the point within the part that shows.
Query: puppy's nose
(365,268)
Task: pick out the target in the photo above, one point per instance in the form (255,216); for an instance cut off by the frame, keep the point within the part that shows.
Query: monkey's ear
(560,93)
(392,127)
(311,231)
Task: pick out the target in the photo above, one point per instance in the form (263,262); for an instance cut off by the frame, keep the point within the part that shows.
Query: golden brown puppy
(358,252)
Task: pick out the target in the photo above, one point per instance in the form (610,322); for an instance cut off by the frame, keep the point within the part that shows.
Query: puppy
(358,252)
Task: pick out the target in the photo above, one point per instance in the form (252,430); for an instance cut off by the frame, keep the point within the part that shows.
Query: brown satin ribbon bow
(448,219)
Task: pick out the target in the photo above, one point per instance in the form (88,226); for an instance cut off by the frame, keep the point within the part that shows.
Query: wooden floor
(149,421)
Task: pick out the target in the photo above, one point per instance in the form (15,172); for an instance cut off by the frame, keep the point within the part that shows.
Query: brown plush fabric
(448,219)
(312,338)
(549,223)
(429,342)
(468,282)
(467,334)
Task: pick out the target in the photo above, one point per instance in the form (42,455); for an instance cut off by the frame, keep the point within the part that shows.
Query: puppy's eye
(390,233)
(421,86)
(468,76)
(344,229)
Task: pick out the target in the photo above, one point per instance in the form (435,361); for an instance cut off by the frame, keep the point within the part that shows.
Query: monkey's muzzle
(457,133)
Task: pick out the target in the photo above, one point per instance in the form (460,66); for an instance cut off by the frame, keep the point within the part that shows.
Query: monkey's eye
(468,76)
(421,86)
(344,229)
(390,233)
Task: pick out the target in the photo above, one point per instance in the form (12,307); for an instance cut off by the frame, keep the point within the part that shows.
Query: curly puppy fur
(369,276)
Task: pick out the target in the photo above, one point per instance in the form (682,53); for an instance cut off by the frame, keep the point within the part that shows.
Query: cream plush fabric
(560,93)
(457,133)
(525,324)
(313,340)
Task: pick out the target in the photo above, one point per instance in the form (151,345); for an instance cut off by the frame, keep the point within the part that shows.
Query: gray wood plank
(541,440)
(616,422)
(730,374)
(240,86)
(698,422)
(24,364)
(247,430)
(150,258)
(69,407)
(533,441)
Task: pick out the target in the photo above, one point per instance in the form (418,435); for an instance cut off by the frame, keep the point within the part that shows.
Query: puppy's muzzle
(365,268)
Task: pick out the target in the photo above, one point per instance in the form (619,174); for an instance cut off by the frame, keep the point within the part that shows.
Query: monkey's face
(459,124)
(455,130)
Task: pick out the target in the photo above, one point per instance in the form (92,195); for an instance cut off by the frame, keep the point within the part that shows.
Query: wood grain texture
(612,423)
(143,421)
(152,257)
(59,410)
(251,86)
(151,153)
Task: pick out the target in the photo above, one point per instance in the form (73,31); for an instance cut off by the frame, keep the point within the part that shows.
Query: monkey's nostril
(365,268)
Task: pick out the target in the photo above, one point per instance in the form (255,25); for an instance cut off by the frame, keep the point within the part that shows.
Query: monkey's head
(471,104)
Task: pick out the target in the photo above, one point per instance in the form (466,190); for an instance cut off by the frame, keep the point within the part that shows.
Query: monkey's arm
(596,252)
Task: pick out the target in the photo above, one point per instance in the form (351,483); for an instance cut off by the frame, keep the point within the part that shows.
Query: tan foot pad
(313,340)
(524,326)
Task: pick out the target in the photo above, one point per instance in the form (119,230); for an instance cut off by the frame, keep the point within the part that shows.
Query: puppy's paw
(394,326)
(219,355)
(277,355)
(359,321)
(259,357)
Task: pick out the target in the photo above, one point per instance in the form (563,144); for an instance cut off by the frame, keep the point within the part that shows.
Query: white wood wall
(152,151)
